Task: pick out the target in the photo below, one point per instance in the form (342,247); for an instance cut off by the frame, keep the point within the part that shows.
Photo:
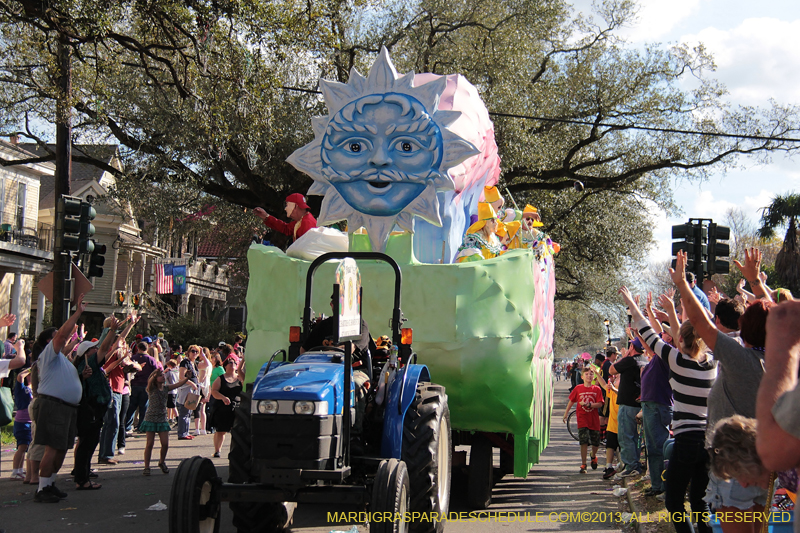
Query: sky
(754,45)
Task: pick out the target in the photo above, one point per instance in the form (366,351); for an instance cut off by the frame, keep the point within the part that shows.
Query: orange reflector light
(294,334)
(405,335)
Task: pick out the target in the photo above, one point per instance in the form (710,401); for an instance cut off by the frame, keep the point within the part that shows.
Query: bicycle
(572,425)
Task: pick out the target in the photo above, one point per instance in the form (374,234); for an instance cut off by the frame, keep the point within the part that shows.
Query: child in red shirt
(588,399)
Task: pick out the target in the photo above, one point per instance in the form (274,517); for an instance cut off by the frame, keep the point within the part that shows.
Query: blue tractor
(310,429)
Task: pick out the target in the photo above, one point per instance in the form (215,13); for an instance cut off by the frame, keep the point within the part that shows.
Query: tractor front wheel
(194,500)
(391,498)
(248,517)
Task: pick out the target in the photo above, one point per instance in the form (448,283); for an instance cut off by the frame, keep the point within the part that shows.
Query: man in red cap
(297,210)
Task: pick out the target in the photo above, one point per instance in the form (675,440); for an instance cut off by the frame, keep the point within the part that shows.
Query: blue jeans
(184,417)
(108,435)
(656,417)
(138,402)
(626,434)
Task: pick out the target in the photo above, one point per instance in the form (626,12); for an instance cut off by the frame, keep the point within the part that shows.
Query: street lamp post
(607,323)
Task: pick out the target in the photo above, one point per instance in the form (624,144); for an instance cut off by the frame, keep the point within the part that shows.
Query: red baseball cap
(297,199)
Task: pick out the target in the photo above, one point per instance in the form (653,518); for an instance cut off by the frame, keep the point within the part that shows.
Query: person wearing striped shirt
(736,388)
(692,374)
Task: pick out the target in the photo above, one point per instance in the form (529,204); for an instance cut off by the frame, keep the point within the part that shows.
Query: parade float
(404,161)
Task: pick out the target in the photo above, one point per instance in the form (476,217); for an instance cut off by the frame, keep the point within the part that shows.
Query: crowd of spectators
(73,391)
(713,389)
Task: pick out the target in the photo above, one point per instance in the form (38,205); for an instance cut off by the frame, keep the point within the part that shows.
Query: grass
(7,435)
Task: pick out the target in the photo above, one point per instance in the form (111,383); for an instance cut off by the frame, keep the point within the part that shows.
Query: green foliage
(200,96)
(209,333)
(779,213)
(784,211)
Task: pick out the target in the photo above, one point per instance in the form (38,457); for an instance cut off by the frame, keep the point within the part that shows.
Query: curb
(634,523)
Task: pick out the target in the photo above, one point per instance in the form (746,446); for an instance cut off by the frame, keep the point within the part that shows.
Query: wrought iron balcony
(29,233)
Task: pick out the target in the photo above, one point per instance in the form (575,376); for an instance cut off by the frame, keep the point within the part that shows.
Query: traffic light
(86,228)
(700,266)
(136,300)
(96,260)
(695,243)
(717,249)
(688,235)
(685,234)
(119,298)
(68,224)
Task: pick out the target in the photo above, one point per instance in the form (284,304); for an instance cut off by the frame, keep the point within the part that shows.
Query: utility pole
(62,262)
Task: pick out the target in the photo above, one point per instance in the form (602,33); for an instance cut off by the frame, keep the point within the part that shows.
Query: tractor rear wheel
(249,517)
(481,473)
(427,452)
(391,498)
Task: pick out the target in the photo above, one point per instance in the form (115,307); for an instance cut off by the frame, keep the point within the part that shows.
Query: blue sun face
(381,158)
(382,152)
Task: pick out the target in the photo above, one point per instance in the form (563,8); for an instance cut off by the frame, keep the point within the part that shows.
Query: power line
(615,126)
(648,128)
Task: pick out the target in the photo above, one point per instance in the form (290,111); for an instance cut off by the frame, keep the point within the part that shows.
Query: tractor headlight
(267,407)
(304,408)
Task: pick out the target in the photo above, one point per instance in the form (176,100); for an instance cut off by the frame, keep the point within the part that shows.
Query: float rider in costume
(297,210)
(481,242)
(514,235)
(492,196)
(532,238)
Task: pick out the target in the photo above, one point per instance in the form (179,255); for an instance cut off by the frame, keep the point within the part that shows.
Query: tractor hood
(303,380)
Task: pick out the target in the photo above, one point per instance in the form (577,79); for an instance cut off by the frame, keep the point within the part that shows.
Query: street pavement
(554,489)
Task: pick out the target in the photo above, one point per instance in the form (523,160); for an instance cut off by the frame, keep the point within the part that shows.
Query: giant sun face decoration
(382,152)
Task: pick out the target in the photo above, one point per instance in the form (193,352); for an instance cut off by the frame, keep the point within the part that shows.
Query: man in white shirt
(55,411)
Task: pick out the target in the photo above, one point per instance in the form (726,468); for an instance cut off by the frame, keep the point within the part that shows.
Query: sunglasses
(193,351)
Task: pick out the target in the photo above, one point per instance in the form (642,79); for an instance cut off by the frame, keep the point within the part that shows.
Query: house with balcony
(128,257)
(27,220)
(207,282)
(26,242)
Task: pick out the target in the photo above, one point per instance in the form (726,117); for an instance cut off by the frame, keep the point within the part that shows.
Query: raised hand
(714,296)
(260,213)
(679,272)
(783,329)
(627,297)
(740,284)
(661,316)
(752,264)
(7,320)
(80,306)
(667,304)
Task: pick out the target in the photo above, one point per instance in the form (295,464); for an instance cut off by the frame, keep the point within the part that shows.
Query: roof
(217,244)
(82,173)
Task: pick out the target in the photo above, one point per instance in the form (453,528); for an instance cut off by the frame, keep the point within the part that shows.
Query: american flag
(163,279)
